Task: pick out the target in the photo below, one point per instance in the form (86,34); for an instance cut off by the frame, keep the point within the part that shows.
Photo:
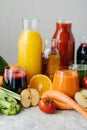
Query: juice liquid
(82,71)
(82,54)
(15,80)
(65,42)
(50,64)
(66,81)
(29,52)
(53,64)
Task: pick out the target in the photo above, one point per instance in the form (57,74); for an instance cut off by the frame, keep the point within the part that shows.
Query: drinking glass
(82,71)
(66,80)
(15,78)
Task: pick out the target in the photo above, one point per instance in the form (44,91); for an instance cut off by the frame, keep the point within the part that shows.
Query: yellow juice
(30,51)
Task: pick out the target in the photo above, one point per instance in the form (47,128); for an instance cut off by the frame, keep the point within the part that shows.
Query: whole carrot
(60,96)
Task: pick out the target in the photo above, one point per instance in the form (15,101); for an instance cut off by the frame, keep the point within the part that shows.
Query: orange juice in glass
(66,81)
(30,48)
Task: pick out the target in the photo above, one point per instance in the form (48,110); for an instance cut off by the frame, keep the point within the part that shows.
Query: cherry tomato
(84,82)
(47,105)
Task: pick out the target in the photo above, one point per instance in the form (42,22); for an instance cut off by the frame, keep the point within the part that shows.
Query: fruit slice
(41,83)
(34,96)
(84,91)
(29,97)
(81,98)
(26,98)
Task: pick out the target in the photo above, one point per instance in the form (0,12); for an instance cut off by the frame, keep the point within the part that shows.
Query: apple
(81,97)
(29,97)
(84,82)
(34,96)
(25,98)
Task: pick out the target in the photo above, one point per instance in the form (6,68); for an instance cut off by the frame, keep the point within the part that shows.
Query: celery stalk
(11,93)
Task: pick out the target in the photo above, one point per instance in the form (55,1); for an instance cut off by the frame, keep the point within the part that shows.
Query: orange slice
(41,83)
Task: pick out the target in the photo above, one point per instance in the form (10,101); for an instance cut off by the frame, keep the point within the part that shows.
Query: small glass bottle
(82,52)
(51,60)
(45,56)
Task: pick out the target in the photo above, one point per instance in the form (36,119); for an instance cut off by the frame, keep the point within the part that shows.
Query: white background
(12,11)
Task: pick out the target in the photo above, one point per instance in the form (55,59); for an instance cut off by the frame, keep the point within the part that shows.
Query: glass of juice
(82,71)
(15,78)
(66,80)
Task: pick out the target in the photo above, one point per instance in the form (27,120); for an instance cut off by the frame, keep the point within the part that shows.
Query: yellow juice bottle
(30,48)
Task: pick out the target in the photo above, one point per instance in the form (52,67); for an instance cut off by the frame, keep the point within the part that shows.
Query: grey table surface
(33,119)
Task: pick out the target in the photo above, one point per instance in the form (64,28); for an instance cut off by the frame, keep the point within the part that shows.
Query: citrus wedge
(41,83)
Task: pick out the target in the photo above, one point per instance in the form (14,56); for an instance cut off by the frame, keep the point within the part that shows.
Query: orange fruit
(41,83)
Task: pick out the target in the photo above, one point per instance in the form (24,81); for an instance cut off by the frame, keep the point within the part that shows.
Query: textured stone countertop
(33,119)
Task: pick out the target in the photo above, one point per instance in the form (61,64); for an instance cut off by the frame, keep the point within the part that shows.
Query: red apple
(84,82)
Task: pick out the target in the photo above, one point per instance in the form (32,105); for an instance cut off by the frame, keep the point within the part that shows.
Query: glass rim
(12,68)
(29,19)
(66,72)
(64,20)
(78,67)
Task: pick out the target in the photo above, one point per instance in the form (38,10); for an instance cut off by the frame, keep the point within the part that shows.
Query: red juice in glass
(15,79)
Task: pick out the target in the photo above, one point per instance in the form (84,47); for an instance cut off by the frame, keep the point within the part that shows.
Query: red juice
(65,42)
(15,80)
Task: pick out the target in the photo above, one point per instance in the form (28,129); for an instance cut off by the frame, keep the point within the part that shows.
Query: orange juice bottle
(30,48)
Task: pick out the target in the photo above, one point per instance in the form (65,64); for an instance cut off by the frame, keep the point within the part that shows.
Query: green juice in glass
(82,71)
(81,74)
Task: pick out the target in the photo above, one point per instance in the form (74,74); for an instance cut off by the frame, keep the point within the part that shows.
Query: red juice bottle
(65,42)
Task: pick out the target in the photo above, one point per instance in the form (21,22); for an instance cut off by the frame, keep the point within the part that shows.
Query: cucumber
(3,63)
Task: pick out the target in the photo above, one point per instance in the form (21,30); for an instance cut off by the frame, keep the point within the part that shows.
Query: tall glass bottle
(30,47)
(81,57)
(65,42)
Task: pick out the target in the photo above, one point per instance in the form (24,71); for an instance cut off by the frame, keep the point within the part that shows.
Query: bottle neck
(63,24)
(30,24)
(83,44)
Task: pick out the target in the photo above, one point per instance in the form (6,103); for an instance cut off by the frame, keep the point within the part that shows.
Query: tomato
(84,82)
(47,105)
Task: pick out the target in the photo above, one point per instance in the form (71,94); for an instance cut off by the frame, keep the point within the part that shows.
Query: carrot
(60,96)
(62,105)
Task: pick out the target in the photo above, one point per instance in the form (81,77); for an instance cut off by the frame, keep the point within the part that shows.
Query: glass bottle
(30,47)
(65,42)
(45,56)
(50,60)
(82,52)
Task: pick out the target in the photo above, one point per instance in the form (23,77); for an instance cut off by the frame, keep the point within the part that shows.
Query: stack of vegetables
(9,104)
